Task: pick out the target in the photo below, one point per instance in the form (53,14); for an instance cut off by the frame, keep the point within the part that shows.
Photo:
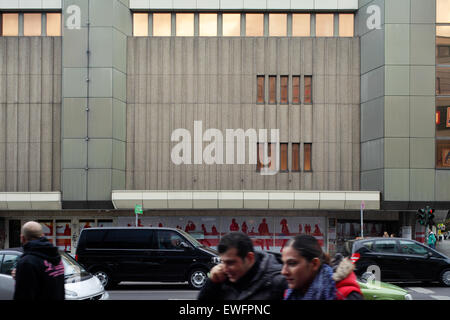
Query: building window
(443,45)
(185,24)
(254,24)
(296,89)
(284,157)
(442,11)
(295,157)
(443,81)
(284,89)
(162,24)
(277,24)
(32,24)
(308,89)
(324,25)
(301,25)
(208,24)
(260,89)
(307,156)
(10,24)
(272,89)
(231,24)
(346,24)
(53,24)
(140,24)
(270,164)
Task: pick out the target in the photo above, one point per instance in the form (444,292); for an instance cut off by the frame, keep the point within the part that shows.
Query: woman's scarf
(323,287)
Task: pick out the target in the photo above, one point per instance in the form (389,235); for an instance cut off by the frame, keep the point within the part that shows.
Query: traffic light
(425,216)
(430,216)
(421,217)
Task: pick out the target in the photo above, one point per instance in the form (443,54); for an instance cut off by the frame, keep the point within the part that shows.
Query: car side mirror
(428,255)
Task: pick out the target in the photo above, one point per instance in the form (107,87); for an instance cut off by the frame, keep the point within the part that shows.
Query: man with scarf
(40,271)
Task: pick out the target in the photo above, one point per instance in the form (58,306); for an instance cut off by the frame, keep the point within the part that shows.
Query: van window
(170,240)
(94,238)
(385,246)
(128,239)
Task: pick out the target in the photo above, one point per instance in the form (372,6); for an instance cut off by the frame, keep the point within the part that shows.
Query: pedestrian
(392,235)
(309,274)
(385,235)
(39,273)
(243,274)
(432,240)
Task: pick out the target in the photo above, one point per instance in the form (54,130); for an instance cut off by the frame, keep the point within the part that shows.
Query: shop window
(301,25)
(296,89)
(162,24)
(443,117)
(443,11)
(140,24)
(260,89)
(295,157)
(277,24)
(10,24)
(64,235)
(324,25)
(254,24)
(47,228)
(307,154)
(346,24)
(284,89)
(208,24)
(308,89)
(185,24)
(53,24)
(231,24)
(272,89)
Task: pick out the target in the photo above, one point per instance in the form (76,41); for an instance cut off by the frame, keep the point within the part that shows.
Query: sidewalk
(443,247)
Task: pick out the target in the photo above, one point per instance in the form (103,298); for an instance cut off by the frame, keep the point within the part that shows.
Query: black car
(144,254)
(398,259)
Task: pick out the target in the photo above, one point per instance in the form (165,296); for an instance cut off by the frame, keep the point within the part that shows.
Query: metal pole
(362,222)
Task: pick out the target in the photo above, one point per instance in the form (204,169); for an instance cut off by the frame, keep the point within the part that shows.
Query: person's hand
(217,274)
(13,273)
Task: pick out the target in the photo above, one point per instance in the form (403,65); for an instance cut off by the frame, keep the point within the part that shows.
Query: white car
(79,284)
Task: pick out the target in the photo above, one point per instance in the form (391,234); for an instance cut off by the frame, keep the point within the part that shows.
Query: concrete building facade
(87,116)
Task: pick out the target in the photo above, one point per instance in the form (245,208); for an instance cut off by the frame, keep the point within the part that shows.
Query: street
(180,291)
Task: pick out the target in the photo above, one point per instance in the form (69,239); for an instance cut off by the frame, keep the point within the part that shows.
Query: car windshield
(73,271)
(191,239)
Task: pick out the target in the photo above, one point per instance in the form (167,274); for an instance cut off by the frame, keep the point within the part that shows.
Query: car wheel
(197,278)
(104,278)
(444,277)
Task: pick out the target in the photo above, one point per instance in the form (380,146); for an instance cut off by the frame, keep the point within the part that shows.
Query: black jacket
(39,272)
(262,282)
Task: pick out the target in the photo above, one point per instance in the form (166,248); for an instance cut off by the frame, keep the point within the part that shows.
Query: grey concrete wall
(94,116)
(30,114)
(174,81)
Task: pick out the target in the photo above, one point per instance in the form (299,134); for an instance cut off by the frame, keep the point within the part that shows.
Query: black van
(144,254)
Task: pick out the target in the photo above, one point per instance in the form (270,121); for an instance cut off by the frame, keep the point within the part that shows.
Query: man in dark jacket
(40,271)
(243,274)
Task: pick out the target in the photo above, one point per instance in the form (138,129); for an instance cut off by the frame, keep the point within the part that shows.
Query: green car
(377,290)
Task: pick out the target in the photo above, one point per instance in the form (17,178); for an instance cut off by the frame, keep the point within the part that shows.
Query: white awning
(249,199)
(30,201)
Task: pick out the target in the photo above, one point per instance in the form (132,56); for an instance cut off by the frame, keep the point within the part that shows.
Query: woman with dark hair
(309,274)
